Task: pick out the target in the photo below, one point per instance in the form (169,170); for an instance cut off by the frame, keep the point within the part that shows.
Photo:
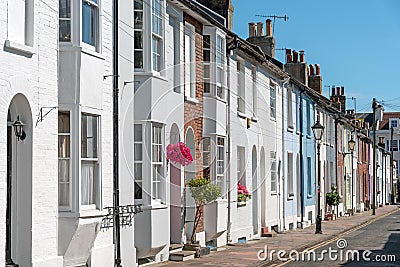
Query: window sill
(290,129)
(93,53)
(241,204)
(290,196)
(272,119)
(15,47)
(83,214)
(274,193)
(208,95)
(308,136)
(254,119)
(152,74)
(155,205)
(309,196)
(241,115)
(191,100)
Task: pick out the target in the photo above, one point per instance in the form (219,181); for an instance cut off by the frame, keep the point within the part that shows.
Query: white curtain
(87,186)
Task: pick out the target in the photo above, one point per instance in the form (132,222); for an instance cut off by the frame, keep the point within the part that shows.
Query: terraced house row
(195,100)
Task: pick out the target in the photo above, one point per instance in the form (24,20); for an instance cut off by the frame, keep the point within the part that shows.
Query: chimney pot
(301,56)
(268,26)
(295,56)
(311,70)
(260,29)
(252,29)
(343,90)
(317,70)
(338,90)
(288,56)
(333,90)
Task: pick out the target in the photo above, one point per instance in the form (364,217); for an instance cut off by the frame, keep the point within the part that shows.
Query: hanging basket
(179,154)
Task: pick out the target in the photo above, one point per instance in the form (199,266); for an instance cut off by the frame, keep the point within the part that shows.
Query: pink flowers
(179,153)
(243,193)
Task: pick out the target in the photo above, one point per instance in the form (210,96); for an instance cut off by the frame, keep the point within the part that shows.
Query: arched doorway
(254,186)
(19,185)
(263,189)
(190,174)
(176,223)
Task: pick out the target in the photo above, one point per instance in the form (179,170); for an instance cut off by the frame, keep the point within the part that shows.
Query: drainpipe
(283,156)
(117,233)
(228,136)
(301,159)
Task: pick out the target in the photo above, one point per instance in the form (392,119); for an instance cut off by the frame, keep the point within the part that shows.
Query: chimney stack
(268,27)
(295,56)
(342,90)
(301,56)
(252,29)
(317,70)
(260,29)
(288,56)
(311,70)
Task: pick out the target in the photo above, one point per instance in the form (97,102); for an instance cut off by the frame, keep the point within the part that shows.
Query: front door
(9,190)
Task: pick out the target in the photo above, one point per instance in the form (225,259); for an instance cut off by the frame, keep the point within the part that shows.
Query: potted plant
(332,199)
(203,191)
(243,194)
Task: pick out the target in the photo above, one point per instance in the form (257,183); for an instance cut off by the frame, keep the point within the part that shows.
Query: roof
(384,125)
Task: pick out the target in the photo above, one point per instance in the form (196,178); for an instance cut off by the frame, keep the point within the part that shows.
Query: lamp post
(352,145)
(18,129)
(318,130)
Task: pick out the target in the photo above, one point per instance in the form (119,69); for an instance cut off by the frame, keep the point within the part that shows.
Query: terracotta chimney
(252,29)
(338,90)
(343,90)
(311,70)
(317,70)
(333,90)
(295,56)
(268,27)
(260,29)
(301,56)
(288,56)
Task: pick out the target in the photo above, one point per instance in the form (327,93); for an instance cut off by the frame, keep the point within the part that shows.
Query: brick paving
(299,239)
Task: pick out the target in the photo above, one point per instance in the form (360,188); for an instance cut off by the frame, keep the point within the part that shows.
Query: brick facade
(193,116)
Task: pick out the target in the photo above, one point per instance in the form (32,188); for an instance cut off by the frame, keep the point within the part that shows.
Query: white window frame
(272,99)
(97,171)
(190,61)
(138,161)
(255,91)
(138,30)
(207,64)
(241,165)
(241,85)
(309,179)
(220,67)
(290,175)
(158,196)
(290,107)
(69,158)
(394,121)
(68,3)
(20,28)
(274,170)
(220,165)
(96,45)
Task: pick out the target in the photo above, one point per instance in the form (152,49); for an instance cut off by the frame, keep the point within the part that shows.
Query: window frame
(138,30)
(241,85)
(97,181)
(290,175)
(220,66)
(160,164)
(190,66)
(137,161)
(69,206)
(272,99)
(241,165)
(61,18)
(274,169)
(220,177)
(290,107)
(95,46)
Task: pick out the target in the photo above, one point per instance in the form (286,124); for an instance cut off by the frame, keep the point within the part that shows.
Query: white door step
(182,255)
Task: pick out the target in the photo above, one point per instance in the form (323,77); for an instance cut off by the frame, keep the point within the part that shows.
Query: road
(377,244)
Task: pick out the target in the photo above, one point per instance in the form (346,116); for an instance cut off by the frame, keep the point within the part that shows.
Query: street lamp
(318,130)
(352,145)
(18,129)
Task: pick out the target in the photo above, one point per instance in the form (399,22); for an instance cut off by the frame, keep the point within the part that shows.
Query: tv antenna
(274,17)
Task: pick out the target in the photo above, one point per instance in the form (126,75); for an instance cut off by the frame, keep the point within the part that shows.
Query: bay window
(220,66)
(207,65)
(90,181)
(64,160)
(90,22)
(190,61)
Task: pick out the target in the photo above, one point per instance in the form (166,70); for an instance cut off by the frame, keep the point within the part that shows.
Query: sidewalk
(300,239)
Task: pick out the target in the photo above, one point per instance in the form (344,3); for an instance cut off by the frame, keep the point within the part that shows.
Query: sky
(356,42)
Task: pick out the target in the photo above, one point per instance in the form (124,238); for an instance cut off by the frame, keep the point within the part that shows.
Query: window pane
(138,171)
(63,182)
(207,87)
(63,122)
(138,190)
(65,8)
(89,136)
(138,40)
(88,182)
(64,146)
(207,71)
(206,55)
(206,41)
(138,152)
(89,23)
(138,133)
(138,4)
(138,19)
(138,59)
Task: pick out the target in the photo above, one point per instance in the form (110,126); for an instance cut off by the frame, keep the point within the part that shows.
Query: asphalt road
(377,244)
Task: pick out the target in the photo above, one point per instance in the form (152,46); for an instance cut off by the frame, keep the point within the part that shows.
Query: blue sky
(356,42)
